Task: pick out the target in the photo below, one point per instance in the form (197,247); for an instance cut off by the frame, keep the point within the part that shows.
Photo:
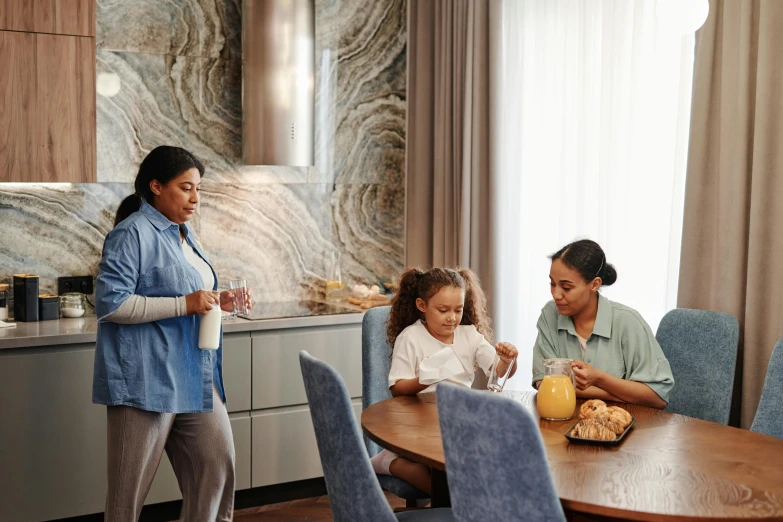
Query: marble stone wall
(179,66)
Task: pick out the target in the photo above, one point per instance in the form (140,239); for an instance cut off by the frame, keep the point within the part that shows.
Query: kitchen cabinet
(236,371)
(47,120)
(284,446)
(53,439)
(71,17)
(277,376)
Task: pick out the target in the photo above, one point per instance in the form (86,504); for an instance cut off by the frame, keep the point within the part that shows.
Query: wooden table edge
(413,457)
(646,516)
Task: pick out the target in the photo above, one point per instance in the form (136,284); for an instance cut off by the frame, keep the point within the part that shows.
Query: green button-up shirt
(622,344)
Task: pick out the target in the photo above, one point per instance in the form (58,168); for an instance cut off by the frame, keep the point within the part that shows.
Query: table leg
(440,489)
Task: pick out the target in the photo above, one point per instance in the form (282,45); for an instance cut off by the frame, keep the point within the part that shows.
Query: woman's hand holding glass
(503,367)
(507,352)
(227,300)
(200,302)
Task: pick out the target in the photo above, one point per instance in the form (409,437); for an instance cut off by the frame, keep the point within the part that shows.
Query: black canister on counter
(48,307)
(25,297)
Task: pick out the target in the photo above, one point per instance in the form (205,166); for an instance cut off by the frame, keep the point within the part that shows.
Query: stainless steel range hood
(278,82)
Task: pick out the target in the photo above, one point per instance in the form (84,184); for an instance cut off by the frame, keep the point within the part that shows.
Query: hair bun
(608,275)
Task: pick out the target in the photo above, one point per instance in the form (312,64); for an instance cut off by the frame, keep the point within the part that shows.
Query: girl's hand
(227,303)
(506,350)
(586,375)
(200,302)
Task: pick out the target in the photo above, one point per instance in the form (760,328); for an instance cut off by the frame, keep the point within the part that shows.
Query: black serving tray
(597,442)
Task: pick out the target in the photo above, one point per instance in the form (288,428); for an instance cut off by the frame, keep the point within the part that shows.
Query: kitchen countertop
(264,316)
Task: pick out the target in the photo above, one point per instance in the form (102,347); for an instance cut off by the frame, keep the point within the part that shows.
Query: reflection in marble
(179,66)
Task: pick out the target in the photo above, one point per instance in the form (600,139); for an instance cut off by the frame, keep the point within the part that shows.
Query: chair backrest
(495,461)
(376,356)
(354,492)
(769,415)
(376,362)
(701,347)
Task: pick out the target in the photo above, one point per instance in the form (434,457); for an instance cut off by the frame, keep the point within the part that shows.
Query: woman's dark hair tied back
(416,283)
(587,258)
(163,163)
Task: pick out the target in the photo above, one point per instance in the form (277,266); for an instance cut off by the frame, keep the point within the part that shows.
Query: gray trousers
(201,450)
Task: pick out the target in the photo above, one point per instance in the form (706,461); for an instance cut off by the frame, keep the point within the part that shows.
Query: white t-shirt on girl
(415,343)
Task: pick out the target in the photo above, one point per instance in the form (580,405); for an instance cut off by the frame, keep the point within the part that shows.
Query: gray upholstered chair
(354,493)
(769,415)
(376,363)
(496,465)
(701,347)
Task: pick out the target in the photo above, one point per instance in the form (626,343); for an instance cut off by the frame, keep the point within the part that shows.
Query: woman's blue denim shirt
(155,366)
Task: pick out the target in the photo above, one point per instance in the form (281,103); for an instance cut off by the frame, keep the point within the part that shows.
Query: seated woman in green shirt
(616,356)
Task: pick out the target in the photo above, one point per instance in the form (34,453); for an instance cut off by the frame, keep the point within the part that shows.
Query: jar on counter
(4,302)
(73,304)
(48,307)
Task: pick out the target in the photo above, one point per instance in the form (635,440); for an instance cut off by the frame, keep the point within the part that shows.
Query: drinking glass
(497,380)
(238,289)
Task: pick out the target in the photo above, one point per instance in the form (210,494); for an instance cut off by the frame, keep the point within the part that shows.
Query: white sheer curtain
(590,135)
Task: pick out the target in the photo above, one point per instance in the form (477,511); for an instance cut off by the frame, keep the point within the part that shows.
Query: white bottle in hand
(209,332)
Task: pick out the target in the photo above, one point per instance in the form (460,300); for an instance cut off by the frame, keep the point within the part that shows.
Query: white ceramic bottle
(209,332)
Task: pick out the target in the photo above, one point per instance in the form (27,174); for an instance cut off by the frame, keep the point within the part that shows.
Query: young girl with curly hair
(438,317)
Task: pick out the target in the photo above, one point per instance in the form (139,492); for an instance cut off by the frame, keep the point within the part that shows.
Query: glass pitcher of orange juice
(556,398)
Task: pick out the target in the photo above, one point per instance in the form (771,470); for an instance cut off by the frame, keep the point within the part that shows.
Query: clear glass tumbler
(238,290)
(501,370)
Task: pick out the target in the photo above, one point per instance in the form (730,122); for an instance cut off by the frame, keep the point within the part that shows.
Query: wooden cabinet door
(47,108)
(17,105)
(65,109)
(73,17)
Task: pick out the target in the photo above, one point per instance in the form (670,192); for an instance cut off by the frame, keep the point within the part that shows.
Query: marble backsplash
(178,62)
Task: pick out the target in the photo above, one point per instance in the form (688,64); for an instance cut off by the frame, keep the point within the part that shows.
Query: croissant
(601,421)
(593,429)
(592,408)
(618,416)
(616,428)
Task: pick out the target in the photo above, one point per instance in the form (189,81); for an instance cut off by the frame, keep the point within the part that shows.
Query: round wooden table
(669,466)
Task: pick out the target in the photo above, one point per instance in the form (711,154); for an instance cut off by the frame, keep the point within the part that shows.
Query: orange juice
(556,398)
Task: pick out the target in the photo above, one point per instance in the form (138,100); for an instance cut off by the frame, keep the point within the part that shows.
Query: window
(592,126)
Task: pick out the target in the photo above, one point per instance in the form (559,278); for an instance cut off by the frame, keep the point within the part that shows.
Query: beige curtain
(732,247)
(448,177)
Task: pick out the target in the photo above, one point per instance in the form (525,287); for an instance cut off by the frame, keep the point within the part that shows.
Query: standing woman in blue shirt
(162,392)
